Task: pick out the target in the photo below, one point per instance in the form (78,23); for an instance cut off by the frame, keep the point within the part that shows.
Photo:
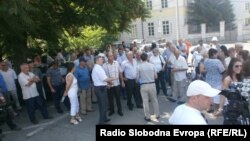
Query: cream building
(163,23)
(169,17)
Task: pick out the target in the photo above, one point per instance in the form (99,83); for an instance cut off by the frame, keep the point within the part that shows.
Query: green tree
(211,12)
(47,20)
(88,37)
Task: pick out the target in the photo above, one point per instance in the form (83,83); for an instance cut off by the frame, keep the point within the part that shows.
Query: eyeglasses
(238,66)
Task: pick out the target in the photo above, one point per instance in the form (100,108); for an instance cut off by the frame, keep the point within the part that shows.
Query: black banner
(189,132)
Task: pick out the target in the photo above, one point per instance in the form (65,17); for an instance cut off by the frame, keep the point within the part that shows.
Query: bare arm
(226,84)
(69,81)
(50,85)
(121,79)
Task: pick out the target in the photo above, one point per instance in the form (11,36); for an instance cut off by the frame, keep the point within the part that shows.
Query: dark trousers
(32,104)
(113,92)
(39,87)
(101,94)
(57,96)
(168,76)
(9,121)
(132,90)
(123,92)
(160,80)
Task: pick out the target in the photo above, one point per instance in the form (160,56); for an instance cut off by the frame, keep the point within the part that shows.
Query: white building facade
(242,18)
(169,21)
(163,23)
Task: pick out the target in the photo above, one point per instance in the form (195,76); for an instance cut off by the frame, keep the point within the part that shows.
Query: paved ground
(59,127)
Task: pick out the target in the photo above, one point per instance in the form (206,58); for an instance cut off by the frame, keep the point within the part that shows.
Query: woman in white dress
(71,91)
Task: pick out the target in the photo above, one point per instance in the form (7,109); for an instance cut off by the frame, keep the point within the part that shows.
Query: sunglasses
(238,66)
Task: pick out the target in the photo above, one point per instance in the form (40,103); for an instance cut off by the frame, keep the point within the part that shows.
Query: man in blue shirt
(83,77)
(3,87)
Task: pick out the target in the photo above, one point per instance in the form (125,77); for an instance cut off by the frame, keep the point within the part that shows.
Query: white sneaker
(78,118)
(74,121)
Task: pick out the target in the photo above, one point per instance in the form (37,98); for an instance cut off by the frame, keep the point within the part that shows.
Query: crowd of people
(122,73)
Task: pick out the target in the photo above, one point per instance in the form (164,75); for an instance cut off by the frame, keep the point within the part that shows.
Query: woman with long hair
(71,91)
(234,74)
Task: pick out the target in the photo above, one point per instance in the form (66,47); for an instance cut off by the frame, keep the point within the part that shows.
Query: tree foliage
(88,37)
(211,12)
(48,20)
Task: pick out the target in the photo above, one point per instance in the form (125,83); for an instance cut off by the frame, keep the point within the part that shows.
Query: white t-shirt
(186,115)
(9,77)
(99,76)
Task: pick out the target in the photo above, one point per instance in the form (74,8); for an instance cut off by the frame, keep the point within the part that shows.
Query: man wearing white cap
(215,43)
(200,96)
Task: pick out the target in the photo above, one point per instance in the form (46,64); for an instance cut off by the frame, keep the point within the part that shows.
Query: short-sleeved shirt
(121,58)
(9,77)
(28,91)
(55,76)
(181,48)
(99,76)
(113,70)
(214,69)
(197,58)
(129,69)
(158,61)
(83,77)
(186,115)
(179,63)
(166,54)
(3,88)
(146,72)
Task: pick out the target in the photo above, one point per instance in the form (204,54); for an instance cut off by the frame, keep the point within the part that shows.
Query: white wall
(239,10)
(157,18)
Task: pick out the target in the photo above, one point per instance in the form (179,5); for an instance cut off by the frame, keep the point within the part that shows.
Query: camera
(237,111)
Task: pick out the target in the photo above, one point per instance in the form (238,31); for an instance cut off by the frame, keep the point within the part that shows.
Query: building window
(151,30)
(164,3)
(190,1)
(247,6)
(247,21)
(165,27)
(149,4)
(134,31)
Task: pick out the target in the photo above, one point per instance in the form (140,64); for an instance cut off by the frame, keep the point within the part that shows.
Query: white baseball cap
(215,39)
(199,87)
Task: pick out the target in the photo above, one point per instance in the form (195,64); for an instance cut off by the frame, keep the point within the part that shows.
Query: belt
(147,83)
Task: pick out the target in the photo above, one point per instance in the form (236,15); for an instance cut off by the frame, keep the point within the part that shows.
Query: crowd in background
(120,73)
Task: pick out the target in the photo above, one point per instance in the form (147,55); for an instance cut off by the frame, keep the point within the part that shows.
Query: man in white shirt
(10,77)
(121,56)
(27,82)
(101,80)
(200,96)
(129,67)
(179,68)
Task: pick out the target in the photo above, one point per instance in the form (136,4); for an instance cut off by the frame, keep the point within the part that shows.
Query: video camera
(237,111)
